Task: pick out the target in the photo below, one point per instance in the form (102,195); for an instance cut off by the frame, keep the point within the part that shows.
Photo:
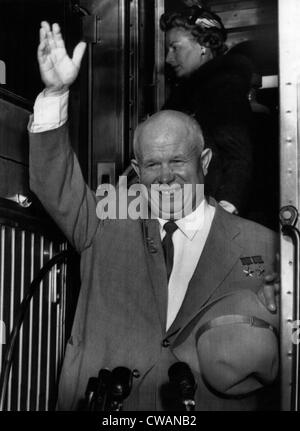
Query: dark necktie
(168,246)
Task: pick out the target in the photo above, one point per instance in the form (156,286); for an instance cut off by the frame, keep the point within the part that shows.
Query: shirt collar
(190,224)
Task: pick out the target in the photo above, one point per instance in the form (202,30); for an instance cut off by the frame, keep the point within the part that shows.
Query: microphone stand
(89,401)
(104,378)
(96,391)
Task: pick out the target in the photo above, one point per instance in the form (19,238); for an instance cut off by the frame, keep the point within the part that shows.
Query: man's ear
(206,156)
(136,167)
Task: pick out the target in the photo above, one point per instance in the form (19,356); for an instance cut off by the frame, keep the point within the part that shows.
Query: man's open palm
(58,70)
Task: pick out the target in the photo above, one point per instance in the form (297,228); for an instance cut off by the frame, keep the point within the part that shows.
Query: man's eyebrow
(179,156)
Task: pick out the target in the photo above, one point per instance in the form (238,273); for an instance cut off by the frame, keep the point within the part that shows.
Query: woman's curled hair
(203,24)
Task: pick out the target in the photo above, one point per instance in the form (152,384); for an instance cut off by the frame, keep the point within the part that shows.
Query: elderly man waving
(161,289)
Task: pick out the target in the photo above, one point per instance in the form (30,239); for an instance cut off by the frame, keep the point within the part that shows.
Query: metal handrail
(59,258)
(294,234)
(288,219)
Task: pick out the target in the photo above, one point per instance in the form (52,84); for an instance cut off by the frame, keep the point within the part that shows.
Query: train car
(123,79)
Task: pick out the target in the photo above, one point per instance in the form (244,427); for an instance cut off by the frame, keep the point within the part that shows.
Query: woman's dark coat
(216,94)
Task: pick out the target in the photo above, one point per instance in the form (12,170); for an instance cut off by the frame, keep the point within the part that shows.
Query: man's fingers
(41,48)
(78,53)
(268,293)
(56,28)
(46,26)
(57,36)
(271,278)
(277,288)
(43,34)
(51,40)
(42,52)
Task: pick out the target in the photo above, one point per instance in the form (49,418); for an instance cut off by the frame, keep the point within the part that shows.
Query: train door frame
(289,67)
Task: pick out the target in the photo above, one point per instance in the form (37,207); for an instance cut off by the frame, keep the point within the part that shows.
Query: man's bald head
(168,123)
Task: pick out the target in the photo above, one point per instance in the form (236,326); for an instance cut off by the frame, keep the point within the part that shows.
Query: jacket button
(165,343)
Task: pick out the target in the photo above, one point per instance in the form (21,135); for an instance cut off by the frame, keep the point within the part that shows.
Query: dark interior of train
(122,80)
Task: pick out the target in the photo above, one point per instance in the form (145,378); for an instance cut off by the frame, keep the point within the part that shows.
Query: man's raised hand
(58,70)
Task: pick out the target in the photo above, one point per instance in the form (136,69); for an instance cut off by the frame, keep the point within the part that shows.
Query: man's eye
(151,165)
(177,162)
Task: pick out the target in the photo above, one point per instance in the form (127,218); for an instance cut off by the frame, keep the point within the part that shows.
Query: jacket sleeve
(56,179)
(228,124)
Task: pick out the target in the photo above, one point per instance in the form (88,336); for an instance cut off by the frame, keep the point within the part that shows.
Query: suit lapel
(219,255)
(156,267)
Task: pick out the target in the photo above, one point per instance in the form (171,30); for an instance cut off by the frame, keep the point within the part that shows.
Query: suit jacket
(121,312)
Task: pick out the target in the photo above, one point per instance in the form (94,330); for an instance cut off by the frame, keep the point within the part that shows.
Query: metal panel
(124,84)
(289,39)
(13,140)
(248,17)
(108,83)
(159,56)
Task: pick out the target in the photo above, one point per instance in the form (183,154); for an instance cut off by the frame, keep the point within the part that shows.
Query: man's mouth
(167,190)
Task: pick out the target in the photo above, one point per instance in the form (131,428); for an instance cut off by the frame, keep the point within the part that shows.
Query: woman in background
(213,86)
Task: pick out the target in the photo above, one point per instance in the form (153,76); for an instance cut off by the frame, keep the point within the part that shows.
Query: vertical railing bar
(2,257)
(49,331)
(40,328)
(22,275)
(59,311)
(12,303)
(64,287)
(63,306)
(30,325)
(57,322)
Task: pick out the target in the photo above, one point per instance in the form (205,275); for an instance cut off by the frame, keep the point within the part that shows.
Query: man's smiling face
(168,159)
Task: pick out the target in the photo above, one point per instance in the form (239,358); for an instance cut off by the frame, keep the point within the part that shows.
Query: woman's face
(184,54)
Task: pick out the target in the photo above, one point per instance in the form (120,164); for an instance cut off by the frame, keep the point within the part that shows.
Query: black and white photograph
(149,199)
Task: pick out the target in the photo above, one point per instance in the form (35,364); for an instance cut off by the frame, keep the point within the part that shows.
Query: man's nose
(167,175)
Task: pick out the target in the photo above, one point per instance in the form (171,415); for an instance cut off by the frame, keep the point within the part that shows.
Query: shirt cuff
(49,112)
(228,207)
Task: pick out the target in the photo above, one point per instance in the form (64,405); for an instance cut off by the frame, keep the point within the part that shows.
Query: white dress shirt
(189,240)
(49,112)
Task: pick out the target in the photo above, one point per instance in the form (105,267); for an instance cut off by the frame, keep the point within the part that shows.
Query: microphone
(103,381)
(119,388)
(90,392)
(182,379)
